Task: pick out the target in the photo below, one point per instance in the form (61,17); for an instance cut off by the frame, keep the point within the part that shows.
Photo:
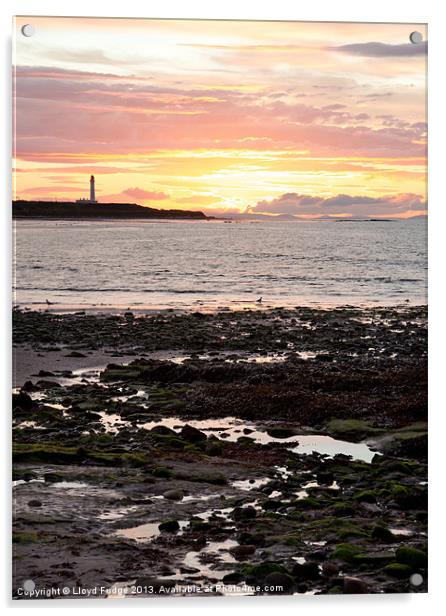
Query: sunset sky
(304,119)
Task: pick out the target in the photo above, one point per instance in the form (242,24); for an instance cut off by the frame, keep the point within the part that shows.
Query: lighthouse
(92,197)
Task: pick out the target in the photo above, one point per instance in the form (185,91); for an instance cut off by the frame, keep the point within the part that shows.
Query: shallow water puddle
(28,424)
(112,422)
(231,428)
(322,444)
(69,485)
(141,533)
(222,513)
(116,514)
(19,482)
(146,532)
(221,551)
(401,532)
(250,484)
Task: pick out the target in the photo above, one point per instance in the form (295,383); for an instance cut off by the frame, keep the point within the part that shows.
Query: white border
(430,11)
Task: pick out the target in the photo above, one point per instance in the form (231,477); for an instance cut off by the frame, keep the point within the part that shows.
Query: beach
(253,451)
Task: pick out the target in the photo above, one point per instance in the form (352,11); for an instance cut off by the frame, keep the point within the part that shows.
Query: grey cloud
(355,205)
(383,50)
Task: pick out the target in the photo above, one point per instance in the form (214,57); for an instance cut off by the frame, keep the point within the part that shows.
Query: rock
(34,503)
(233,578)
(355,586)
(244,513)
(278,582)
(213,448)
(157,584)
(381,533)
(29,386)
(170,526)
(162,472)
(53,477)
(325,478)
(173,495)
(398,570)
(49,385)
(330,569)
(414,558)
(22,401)
(306,571)
(74,354)
(281,432)
(163,430)
(191,434)
(246,538)
(184,569)
(45,373)
(378,559)
(240,552)
(346,552)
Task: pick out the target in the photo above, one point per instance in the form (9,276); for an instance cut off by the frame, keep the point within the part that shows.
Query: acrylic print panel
(219,308)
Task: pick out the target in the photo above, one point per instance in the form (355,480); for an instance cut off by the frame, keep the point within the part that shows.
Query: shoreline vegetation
(282,449)
(78,211)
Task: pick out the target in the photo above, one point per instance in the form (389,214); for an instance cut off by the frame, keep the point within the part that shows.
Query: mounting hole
(416,579)
(28,30)
(416,37)
(29,585)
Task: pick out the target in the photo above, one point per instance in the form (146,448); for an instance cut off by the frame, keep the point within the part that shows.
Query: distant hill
(61,210)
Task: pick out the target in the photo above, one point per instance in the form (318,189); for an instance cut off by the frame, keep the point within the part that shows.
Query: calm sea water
(121,264)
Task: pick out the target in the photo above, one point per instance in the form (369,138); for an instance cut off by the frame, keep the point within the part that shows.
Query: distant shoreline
(50,210)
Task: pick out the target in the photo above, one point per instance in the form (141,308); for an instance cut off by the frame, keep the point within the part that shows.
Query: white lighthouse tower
(92,195)
(92,198)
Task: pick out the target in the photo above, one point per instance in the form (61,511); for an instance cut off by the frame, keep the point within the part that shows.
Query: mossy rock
(213,448)
(365,496)
(210,477)
(343,508)
(381,533)
(375,558)
(169,526)
(292,539)
(398,570)
(25,537)
(346,552)
(233,578)
(271,504)
(307,503)
(351,531)
(246,538)
(45,452)
(413,557)
(355,429)
(409,497)
(260,571)
(24,475)
(168,441)
(278,582)
(162,472)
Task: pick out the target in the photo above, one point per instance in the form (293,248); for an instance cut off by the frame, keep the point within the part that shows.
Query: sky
(283,119)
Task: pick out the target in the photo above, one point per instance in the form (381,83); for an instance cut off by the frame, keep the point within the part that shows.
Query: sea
(205,265)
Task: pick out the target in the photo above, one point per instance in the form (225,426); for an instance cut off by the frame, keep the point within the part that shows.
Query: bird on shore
(48,303)
(259,300)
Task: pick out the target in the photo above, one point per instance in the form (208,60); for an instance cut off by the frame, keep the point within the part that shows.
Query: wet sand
(247,452)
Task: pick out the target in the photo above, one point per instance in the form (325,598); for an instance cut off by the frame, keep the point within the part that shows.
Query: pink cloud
(67,113)
(146,195)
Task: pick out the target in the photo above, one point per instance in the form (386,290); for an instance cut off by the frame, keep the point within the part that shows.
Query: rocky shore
(251,452)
